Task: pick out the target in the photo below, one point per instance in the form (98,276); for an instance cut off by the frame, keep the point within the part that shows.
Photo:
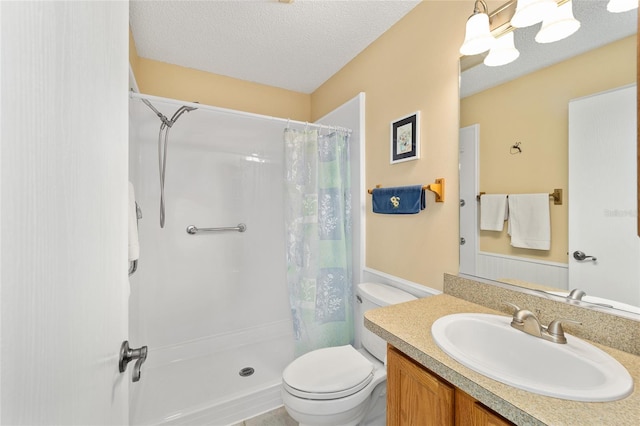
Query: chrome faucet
(576,294)
(525,321)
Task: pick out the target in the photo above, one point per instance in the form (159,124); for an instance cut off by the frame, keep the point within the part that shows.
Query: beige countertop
(407,326)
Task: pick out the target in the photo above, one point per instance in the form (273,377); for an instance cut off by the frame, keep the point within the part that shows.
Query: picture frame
(405,138)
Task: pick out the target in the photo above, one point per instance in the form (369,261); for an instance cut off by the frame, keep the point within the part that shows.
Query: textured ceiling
(597,28)
(295,46)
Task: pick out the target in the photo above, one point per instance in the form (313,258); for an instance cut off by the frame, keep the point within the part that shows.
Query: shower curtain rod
(285,121)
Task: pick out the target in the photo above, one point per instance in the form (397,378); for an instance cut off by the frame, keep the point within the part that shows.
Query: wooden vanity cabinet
(418,397)
(414,395)
(469,411)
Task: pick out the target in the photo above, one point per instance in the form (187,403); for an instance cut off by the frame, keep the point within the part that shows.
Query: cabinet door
(416,397)
(470,412)
(482,416)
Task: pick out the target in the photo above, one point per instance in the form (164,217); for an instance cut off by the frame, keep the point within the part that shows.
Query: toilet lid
(328,373)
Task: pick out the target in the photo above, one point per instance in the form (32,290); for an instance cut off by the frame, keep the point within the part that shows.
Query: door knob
(578,255)
(127,355)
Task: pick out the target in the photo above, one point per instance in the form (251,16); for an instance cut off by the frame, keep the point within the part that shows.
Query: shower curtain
(318,237)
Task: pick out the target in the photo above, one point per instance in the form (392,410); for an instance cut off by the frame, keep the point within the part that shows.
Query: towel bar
(192,229)
(437,188)
(556,195)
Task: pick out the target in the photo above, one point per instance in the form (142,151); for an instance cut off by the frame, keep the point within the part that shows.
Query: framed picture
(405,138)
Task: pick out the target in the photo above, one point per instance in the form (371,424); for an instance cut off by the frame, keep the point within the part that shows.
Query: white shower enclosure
(211,307)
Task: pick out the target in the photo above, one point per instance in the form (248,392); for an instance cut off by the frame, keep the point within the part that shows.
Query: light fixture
(618,6)
(530,12)
(558,24)
(502,52)
(557,19)
(478,38)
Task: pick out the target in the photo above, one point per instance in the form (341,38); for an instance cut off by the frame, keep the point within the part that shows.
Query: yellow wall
(187,84)
(172,81)
(533,110)
(413,66)
(133,54)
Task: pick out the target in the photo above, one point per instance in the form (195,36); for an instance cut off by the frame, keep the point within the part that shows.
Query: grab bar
(192,229)
(133,264)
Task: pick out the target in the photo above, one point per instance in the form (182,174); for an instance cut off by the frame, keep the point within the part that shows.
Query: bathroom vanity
(415,393)
(425,381)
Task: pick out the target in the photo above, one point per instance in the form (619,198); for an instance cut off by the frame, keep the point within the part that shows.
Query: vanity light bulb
(530,12)
(478,38)
(503,51)
(619,6)
(558,25)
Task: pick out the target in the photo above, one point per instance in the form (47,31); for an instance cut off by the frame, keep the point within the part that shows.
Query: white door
(63,194)
(468,158)
(603,197)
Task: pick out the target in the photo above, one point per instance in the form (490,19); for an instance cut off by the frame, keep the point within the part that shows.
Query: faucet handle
(519,315)
(515,311)
(516,308)
(557,332)
(513,306)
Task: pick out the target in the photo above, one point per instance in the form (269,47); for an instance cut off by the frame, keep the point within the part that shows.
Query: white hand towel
(494,211)
(529,221)
(134,245)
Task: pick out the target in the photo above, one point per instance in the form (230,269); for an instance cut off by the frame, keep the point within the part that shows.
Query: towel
(399,200)
(529,221)
(494,210)
(134,246)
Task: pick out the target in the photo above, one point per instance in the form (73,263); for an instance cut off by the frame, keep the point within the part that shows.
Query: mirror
(521,112)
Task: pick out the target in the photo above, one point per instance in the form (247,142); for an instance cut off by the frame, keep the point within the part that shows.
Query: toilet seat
(328,373)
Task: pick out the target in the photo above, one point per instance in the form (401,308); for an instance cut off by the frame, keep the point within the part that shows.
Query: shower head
(163,136)
(179,112)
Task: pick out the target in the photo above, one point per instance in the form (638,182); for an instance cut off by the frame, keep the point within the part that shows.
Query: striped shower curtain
(318,237)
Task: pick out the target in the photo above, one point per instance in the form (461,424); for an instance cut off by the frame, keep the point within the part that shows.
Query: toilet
(343,386)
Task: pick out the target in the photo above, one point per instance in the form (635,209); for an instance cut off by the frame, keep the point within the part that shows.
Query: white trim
(177,102)
(418,290)
(363,184)
(133,83)
(468,191)
(524,259)
(500,266)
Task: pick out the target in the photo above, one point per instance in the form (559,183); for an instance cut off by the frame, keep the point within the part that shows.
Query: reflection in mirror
(519,124)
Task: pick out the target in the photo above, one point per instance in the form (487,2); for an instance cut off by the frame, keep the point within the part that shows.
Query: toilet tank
(371,296)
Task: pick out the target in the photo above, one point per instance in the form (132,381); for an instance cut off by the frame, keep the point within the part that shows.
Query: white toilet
(342,386)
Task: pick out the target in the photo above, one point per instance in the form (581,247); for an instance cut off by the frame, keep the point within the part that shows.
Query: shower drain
(246,372)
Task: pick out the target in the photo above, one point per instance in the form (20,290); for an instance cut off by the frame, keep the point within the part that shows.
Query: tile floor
(277,417)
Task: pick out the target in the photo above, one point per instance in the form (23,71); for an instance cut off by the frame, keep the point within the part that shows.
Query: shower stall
(212,306)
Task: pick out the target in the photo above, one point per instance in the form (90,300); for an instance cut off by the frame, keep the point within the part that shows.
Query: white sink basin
(576,371)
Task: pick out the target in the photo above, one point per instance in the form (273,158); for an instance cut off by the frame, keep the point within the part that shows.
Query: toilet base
(371,412)
(350,418)
(377,415)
